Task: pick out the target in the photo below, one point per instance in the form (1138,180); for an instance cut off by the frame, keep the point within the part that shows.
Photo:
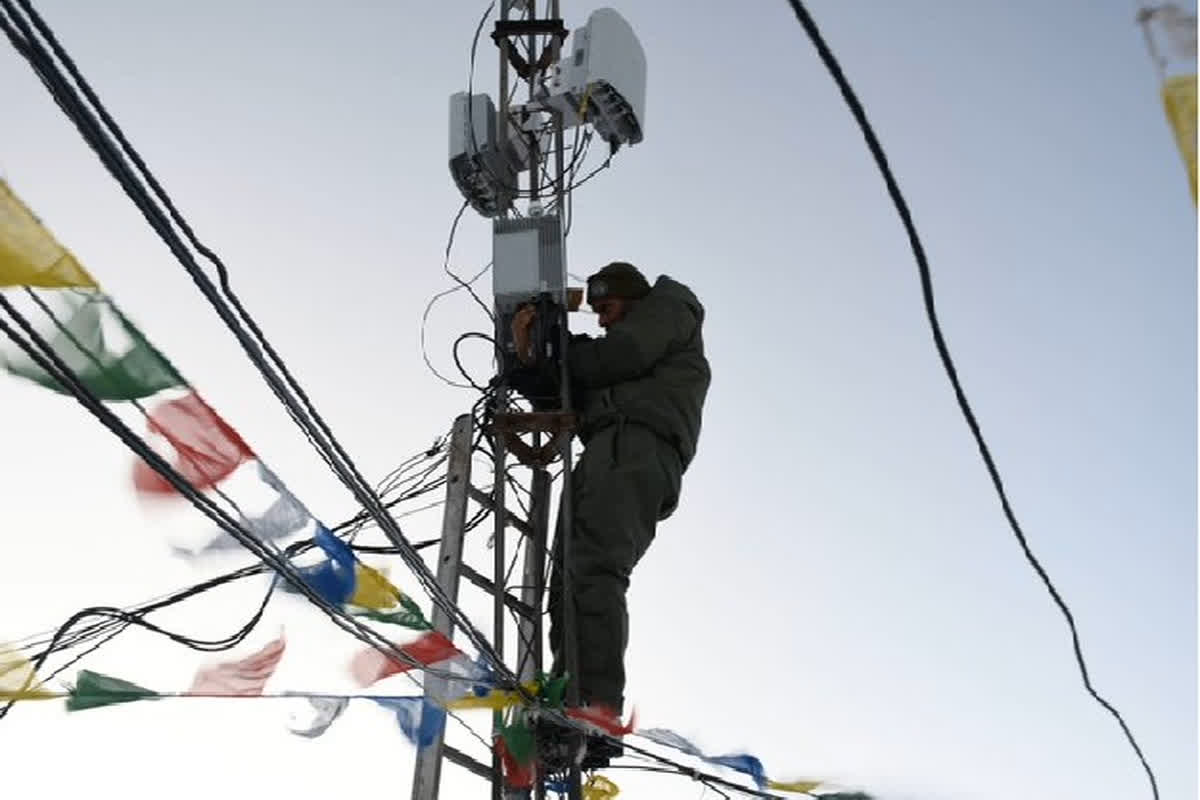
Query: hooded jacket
(649,369)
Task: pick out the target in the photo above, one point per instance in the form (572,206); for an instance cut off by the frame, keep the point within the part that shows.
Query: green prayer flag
(552,690)
(132,371)
(408,615)
(411,607)
(518,738)
(408,618)
(93,690)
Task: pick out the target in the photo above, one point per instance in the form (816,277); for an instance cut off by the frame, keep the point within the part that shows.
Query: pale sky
(839,593)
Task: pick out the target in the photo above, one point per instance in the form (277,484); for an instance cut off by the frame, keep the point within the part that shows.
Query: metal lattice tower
(541,41)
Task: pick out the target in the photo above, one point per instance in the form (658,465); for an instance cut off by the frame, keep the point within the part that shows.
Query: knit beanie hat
(618,279)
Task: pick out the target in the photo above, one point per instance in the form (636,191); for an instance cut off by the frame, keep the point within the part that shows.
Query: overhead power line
(42,354)
(116,618)
(893,188)
(163,220)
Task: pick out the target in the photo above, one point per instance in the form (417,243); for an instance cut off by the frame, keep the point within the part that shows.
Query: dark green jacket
(649,368)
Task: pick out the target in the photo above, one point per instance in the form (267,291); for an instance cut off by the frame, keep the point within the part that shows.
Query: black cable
(860,116)
(125,619)
(313,424)
(51,363)
(117,621)
(446,263)
(460,284)
(458,363)
(603,166)
(130,616)
(292,550)
(682,769)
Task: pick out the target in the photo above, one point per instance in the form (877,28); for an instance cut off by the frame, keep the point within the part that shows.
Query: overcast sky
(839,592)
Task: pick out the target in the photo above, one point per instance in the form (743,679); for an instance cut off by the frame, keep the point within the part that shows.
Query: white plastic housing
(486,178)
(602,79)
(527,259)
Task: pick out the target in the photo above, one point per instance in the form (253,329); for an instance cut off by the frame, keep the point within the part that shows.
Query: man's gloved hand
(521,324)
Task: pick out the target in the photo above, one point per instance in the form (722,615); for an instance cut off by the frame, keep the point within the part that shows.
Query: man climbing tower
(638,392)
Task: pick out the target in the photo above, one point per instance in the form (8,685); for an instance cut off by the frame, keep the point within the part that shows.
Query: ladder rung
(468,763)
(522,608)
(484,499)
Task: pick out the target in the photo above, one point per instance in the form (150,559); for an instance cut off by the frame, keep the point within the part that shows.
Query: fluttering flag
(599,787)
(94,689)
(421,720)
(670,739)
(518,738)
(1179,98)
(603,718)
(372,590)
(747,764)
(375,597)
(1170,34)
(371,665)
(333,578)
(467,679)
(319,713)
(29,253)
(120,370)
(18,680)
(243,678)
(206,448)
(287,512)
(803,787)
(551,691)
(408,615)
(516,775)
(285,516)
(496,699)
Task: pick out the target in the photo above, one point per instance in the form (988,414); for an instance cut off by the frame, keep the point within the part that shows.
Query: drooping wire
(298,404)
(458,362)
(297,548)
(350,527)
(425,321)
(446,263)
(40,352)
(893,189)
(50,362)
(460,284)
(393,481)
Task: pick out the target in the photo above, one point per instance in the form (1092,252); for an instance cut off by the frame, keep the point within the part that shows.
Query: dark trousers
(625,482)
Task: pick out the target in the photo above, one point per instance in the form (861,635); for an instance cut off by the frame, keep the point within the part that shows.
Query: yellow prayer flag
(29,254)
(18,680)
(599,787)
(495,700)
(1179,98)
(793,786)
(373,590)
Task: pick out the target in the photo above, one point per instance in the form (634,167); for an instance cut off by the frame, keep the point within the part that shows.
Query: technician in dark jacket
(638,392)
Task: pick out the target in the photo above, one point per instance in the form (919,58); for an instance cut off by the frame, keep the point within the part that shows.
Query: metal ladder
(451,569)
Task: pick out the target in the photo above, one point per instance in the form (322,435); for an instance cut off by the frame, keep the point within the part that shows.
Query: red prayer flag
(604,718)
(516,775)
(245,678)
(371,665)
(207,449)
